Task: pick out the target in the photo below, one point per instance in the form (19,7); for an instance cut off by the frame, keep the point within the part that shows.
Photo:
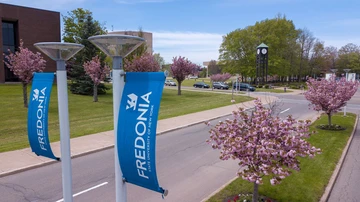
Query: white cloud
(46,4)
(339,41)
(141,1)
(196,46)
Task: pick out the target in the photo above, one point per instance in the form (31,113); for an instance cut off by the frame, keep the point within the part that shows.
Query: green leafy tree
(331,57)
(349,57)
(160,60)
(317,59)
(238,49)
(306,43)
(79,25)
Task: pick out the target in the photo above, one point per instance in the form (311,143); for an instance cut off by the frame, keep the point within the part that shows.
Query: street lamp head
(333,70)
(347,70)
(59,51)
(116,44)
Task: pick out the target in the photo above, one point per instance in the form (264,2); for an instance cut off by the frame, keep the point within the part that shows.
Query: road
(346,185)
(186,166)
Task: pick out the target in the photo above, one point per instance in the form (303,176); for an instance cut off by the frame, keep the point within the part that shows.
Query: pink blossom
(220,77)
(24,63)
(263,144)
(182,67)
(95,71)
(330,95)
(144,63)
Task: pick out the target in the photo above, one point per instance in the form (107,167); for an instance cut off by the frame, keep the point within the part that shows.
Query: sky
(194,28)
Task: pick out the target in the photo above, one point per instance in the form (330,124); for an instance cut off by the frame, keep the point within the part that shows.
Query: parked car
(243,86)
(170,83)
(220,85)
(201,85)
(193,77)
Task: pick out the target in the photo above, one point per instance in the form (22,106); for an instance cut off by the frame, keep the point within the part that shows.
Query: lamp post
(346,71)
(117,46)
(333,71)
(60,52)
(346,76)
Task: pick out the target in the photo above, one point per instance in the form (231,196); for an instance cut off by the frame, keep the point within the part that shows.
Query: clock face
(258,51)
(264,51)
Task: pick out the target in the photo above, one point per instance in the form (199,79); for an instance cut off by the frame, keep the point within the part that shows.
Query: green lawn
(273,90)
(309,184)
(87,117)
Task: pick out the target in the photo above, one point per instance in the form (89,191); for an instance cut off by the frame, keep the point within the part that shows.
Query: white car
(170,83)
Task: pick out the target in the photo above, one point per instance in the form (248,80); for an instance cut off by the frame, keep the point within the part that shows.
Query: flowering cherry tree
(263,144)
(330,95)
(96,72)
(143,63)
(220,77)
(24,63)
(180,68)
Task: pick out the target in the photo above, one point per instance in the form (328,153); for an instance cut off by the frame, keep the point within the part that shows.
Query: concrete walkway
(21,160)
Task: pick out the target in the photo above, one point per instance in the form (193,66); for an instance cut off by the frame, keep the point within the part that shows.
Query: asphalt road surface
(186,166)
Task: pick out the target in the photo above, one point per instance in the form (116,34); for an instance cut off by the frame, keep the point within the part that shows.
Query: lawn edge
(334,176)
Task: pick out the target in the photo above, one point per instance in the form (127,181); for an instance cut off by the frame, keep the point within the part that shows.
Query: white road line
(285,110)
(91,188)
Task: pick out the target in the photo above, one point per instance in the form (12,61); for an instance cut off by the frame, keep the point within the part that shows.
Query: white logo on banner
(132,101)
(36,95)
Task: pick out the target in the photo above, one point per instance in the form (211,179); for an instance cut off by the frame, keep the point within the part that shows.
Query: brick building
(32,26)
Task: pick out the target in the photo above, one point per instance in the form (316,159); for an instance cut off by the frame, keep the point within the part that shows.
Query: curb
(334,176)
(218,190)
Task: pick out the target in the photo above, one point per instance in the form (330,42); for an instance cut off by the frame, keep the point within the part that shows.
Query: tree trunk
(95,93)
(179,88)
(24,86)
(256,192)
(329,118)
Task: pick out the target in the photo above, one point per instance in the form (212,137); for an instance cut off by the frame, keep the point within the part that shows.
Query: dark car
(243,86)
(201,85)
(220,85)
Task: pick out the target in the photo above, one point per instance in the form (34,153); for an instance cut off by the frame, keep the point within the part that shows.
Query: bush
(259,86)
(294,86)
(266,86)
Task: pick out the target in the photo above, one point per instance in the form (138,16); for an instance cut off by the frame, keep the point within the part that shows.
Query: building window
(9,43)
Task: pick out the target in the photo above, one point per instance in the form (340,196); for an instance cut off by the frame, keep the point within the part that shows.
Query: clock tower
(261,64)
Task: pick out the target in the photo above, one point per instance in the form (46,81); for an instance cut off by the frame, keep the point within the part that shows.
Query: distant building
(146,35)
(207,63)
(32,26)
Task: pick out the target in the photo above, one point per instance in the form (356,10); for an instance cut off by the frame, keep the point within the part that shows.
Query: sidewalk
(21,160)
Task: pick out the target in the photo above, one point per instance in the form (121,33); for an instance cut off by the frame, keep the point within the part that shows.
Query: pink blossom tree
(220,77)
(263,144)
(96,72)
(24,63)
(330,95)
(180,68)
(143,63)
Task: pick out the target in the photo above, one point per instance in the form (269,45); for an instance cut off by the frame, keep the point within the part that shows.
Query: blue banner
(38,114)
(136,137)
